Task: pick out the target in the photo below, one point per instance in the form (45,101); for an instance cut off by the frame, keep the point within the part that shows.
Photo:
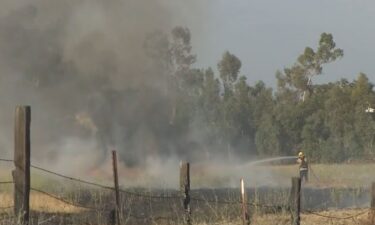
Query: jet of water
(256,162)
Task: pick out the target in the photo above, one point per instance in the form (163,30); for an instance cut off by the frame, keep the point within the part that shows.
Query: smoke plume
(83,67)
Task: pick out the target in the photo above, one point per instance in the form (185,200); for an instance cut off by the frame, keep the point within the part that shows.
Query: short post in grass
(21,174)
(185,190)
(117,192)
(245,213)
(372,214)
(112,217)
(295,200)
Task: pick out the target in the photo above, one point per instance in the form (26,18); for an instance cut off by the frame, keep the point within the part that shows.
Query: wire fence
(6,182)
(142,195)
(71,203)
(253,204)
(337,217)
(150,218)
(6,160)
(72,178)
(6,207)
(157,196)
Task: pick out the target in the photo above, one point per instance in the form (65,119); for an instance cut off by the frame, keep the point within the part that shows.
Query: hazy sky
(269,34)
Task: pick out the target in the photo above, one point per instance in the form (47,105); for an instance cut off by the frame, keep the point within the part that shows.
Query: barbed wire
(215,201)
(336,217)
(6,182)
(151,196)
(6,207)
(68,202)
(72,178)
(7,218)
(239,202)
(6,160)
(152,218)
(47,220)
(104,186)
(63,176)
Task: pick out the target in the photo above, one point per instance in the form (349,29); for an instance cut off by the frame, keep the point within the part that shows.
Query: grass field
(41,203)
(335,175)
(45,204)
(321,175)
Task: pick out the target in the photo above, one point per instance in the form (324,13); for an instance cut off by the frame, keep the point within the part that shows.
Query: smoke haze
(83,68)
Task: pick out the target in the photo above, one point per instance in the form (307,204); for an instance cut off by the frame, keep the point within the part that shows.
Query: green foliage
(268,136)
(310,63)
(224,114)
(229,67)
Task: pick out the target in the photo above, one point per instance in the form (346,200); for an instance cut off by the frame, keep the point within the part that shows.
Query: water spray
(252,163)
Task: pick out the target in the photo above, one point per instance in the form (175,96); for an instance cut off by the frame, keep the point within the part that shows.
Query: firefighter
(303,167)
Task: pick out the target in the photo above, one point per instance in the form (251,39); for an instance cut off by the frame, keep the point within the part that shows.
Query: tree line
(328,121)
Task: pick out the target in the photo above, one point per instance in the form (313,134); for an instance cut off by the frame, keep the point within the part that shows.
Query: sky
(268,35)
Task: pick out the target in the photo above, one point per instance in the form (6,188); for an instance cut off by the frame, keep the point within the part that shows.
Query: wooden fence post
(372,214)
(245,214)
(185,189)
(21,174)
(117,192)
(112,217)
(295,200)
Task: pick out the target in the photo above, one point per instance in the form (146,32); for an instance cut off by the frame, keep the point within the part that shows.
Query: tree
(362,89)
(181,49)
(224,114)
(314,135)
(210,98)
(342,142)
(262,101)
(229,68)
(364,124)
(267,138)
(309,64)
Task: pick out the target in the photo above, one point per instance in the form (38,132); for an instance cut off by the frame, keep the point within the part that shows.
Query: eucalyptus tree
(309,64)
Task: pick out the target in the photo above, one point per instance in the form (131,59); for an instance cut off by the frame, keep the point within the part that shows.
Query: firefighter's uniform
(303,167)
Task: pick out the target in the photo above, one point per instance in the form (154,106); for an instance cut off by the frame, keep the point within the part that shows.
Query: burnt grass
(140,206)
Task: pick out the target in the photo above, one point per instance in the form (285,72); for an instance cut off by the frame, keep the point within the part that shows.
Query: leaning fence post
(117,192)
(185,189)
(295,200)
(245,214)
(372,214)
(21,175)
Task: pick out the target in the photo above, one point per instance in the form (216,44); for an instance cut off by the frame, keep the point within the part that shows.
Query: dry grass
(331,175)
(41,203)
(321,175)
(335,175)
(306,219)
(45,204)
